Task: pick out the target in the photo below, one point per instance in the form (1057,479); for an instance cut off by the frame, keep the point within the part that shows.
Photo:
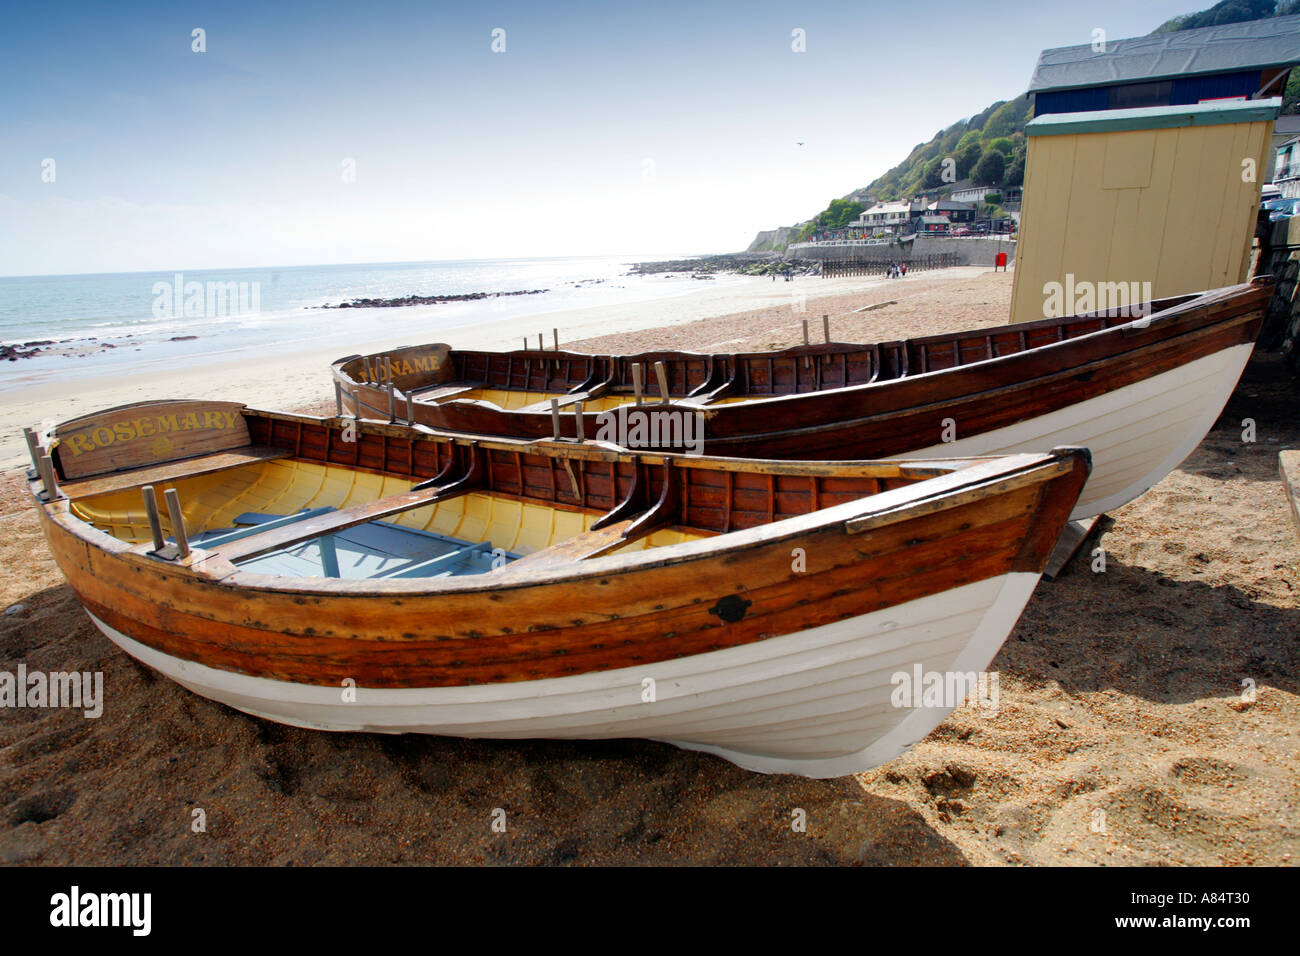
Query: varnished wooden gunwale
(896,393)
(585,616)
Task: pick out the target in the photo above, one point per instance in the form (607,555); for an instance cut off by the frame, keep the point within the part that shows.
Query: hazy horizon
(595,131)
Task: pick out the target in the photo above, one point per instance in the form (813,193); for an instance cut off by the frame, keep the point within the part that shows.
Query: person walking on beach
(904,268)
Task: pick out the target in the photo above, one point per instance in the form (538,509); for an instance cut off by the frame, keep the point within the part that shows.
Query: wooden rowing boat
(364,576)
(1140,393)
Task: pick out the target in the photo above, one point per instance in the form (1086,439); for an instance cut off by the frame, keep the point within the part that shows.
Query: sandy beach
(1124,734)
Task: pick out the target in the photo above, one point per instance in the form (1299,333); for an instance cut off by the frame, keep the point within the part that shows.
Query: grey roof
(1227,48)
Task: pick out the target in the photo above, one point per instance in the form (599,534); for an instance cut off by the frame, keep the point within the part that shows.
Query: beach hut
(1144,165)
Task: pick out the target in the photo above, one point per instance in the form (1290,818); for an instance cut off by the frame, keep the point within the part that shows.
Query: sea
(128,323)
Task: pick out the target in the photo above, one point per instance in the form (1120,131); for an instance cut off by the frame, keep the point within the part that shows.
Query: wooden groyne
(879,265)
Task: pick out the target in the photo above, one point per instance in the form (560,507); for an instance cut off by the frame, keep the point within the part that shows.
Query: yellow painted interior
(1166,206)
(511,400)
(283,487)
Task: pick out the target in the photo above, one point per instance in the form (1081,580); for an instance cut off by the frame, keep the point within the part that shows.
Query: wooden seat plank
(261,527)
(171,471)
(569,398)
(281,537)
(445,390)
(589,544)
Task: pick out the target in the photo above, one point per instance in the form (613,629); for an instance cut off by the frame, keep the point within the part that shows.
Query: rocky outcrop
(745,263)
(772,240)
(427,299)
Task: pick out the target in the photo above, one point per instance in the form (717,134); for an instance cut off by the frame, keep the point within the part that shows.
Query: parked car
(1283,209)
(961,231)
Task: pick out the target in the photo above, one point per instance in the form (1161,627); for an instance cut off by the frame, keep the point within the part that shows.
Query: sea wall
(969,251)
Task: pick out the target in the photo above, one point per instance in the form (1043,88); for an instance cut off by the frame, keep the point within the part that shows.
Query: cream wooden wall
(1165,206)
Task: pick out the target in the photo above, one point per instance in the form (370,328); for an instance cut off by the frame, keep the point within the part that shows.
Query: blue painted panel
(377,549)
(1193,89)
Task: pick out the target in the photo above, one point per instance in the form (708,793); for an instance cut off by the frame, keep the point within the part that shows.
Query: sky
(392,131)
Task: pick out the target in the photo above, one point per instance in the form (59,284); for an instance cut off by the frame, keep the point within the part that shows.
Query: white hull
(816,702)
(1137,434)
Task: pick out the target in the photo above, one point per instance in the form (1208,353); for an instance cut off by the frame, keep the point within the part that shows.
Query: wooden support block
(1072,538)
(1288,464)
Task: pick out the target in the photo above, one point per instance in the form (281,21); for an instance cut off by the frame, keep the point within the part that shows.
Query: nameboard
(413,367)
(147,433)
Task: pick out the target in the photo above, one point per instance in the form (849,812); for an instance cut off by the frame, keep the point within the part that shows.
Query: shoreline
(302,378)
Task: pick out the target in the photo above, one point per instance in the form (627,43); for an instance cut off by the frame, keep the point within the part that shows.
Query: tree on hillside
(973,135)
(1291,95)
(967,156)
(979,119)
(932,178)
(1003,145)
(1228,11)
(1007,118)
(1014,174)
(988,171)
